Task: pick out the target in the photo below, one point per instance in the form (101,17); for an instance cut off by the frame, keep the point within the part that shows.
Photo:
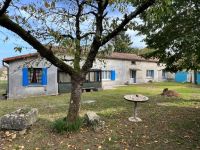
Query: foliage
(62,125)
(173,30)
(145,51)
(122,42)
(3,85)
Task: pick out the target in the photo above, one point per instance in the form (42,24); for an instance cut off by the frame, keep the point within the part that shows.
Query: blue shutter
(44,76)
(113,75)
(181,76)
(24,76)
(198,77)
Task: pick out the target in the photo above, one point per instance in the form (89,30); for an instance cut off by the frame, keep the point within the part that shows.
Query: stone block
(19,120)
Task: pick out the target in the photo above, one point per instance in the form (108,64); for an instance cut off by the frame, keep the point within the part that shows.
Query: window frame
(133,62)
(164,74)
(106,75)
(39,83)
(150,74)
(58,77)
(96,73)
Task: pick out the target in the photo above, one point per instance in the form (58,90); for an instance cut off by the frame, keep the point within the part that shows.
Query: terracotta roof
(11,59)
(128,56)
(115,55)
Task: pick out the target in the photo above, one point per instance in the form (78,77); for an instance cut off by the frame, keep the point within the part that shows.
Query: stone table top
(136,98)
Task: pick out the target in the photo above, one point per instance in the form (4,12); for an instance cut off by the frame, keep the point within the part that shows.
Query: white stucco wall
(17,90)
(123,67)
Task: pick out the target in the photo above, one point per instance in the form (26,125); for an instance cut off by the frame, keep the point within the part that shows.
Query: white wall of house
(17,90)
(123,68)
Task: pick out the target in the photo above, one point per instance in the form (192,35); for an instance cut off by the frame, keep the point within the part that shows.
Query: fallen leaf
(14,136)
(7,133)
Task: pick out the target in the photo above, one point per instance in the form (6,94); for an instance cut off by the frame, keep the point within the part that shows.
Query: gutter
(7,88)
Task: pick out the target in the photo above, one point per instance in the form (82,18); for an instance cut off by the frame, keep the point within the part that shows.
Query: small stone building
(31,75)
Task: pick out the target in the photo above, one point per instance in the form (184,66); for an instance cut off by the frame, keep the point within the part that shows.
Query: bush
(62,125)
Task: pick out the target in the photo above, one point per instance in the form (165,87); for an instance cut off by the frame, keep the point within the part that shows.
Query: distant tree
(122,42)
(55,22)
(144,51)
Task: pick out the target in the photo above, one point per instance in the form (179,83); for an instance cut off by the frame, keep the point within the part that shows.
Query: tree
(173,30)
(122,42)
(44,25)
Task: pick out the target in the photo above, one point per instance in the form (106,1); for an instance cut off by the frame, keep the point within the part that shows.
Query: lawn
(168,123)
(2,87)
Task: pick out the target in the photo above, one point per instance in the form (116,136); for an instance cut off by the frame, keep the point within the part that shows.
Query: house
(31,75)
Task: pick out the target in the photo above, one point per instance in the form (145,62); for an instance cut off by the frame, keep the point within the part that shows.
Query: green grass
(62,125)
(168,123)
(3,85)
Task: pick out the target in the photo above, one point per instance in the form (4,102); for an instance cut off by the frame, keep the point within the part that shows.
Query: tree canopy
(173,30)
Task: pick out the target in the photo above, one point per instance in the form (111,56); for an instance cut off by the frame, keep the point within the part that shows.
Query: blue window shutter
(181,76)
(198,77)
(113,75)
(24,76)
(44,76)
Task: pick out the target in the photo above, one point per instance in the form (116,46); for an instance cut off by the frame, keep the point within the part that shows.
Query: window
(35,75)
(93,76)
(133,62)
(63,77)
(106,75)
(164,74)
(150,73)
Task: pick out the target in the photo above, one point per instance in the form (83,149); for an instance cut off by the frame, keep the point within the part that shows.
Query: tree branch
(41,49)
(77,58)
(126,20)
(5,6)
(102,4)
(87,34)
(68,35)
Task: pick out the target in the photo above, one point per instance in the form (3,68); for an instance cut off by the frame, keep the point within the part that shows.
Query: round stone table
(135,98)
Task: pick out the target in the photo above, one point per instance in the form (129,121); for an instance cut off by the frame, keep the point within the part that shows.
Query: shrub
(62,125)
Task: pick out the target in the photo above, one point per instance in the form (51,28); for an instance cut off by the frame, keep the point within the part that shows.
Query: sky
(7,48)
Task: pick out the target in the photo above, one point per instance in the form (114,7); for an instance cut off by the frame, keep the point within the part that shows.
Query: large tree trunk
(195,76)
(74,106)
